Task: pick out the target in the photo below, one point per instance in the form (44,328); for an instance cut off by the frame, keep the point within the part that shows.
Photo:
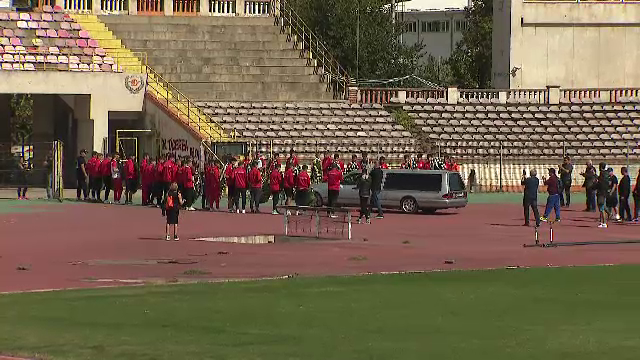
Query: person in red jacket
(158,180)
(179,178)
(303,184)
(231,188)
(421,163)
(383,163)
(189,185)
(212,183)
(274,184)
(148,180)
(131,179)
(326,164)
(255,182)
(288,184)
(105,172)
(338,162)
(293,159)
(91,171)
(168,174)
(334,177)
(116,175)
(240,183)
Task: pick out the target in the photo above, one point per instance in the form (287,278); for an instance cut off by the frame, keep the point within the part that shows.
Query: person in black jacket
(376,188)
(590,178)
(530,198)
(364,191)
(624,190)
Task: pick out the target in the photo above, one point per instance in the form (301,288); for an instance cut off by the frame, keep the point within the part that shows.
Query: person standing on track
(189,185)
(553,200)
(255,182)
(240,182)
(171,209)
(566,169)
(589,185)
(364,191)
(288,183)
(105,171)
(530,196)
(334,177)
(231,187)
(275,179)
(376,186)
(82,176)
(303,184)
(602,186)
(131,176)
(624,190)
(91,171)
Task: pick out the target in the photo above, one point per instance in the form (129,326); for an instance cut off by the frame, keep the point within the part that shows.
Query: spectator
(364,190)
(624,190)
(530,196)
(566,169)
(334,178)
(553,201)
(82,177)
(376,187)
(590,178)
(602,186)
(612,198)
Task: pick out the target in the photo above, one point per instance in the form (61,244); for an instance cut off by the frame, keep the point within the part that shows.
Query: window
(413,181)
(460,25)
(455,182)
(438,26)
(411,27)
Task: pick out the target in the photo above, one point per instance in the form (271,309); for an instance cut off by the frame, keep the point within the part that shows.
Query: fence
(150,7)
(78,5)
(32,165)
(222,7)
(114,6)
(307,221)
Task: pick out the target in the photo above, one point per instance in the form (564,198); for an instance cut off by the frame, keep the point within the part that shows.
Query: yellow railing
(164,93)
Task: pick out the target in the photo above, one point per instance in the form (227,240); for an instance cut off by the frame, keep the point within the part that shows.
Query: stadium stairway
(222,58)
(159,91)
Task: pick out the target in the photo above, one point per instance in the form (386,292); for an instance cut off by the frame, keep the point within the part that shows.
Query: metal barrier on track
(318,222)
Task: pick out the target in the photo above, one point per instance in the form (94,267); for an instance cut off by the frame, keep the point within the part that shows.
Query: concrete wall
(171,136)
(107,92)
(438,44)
(571,44)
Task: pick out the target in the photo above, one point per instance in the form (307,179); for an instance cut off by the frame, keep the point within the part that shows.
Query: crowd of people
(604,193)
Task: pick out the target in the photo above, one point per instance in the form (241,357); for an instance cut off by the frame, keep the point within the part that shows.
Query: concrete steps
(233,70)
(222,58)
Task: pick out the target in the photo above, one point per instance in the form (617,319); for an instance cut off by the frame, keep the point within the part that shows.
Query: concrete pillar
(353,94)
(168,7)
(502,96)
(402,96)
(100,116)
(5,118)
(84,132)
(240,8)
(96,7)
(204,8)
(452,95)
(553,92)
(133,8)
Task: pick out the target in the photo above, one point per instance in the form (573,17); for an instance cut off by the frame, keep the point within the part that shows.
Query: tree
(21,117)
(470,62)
(381,55)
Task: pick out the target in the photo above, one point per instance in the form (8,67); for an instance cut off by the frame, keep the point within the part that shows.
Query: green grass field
(549,313)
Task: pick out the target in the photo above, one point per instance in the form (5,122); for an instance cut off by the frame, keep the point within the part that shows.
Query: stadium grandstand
(194,78)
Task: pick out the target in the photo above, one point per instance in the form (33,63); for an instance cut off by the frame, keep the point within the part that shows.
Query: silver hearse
(409,190)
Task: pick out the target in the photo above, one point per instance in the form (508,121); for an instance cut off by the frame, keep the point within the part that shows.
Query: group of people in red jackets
(107,172)
(157,177)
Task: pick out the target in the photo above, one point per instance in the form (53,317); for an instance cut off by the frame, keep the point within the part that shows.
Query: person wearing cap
(553,201)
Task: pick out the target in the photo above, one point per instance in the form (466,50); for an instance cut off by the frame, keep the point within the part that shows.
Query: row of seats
(51,50)
(38,42)
(309,125)
(53,59)
(522,109)
(297,112)
(35,16)
(300,120)
(517,100)
(61,67)
(287,106)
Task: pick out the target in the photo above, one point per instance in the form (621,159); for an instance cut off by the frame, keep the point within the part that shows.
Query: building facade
(438,30)
(572,44)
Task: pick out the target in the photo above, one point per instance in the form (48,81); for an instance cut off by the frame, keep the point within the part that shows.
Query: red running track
(48,243)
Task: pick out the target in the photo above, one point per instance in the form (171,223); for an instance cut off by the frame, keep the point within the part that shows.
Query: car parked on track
(408,190)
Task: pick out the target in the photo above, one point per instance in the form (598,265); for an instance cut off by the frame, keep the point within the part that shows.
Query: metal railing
(84,6)
(257,7)
(311,47)
(184,108)
(222,7)
(114,6)
(150,7)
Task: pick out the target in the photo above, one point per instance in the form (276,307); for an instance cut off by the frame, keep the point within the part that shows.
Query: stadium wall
(171,136)
(94,96)
(566,43)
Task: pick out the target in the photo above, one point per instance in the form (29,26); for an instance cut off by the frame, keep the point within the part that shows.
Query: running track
(53,244)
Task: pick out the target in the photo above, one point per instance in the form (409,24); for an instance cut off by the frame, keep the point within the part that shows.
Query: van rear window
(414,182)
(455,182)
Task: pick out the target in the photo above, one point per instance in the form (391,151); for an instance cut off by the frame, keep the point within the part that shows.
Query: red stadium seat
(7,33)
(47,17)
(52,33)
(14,16)
(65,25)
(93,43)
(82,43)
(4,16)
(70,43)
(75,26)
(84,34)
(47,9)
(63,33)
(88,51)
(41,33)
(15,41)
(57,9)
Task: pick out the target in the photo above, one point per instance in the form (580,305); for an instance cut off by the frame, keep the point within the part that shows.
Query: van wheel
(317,199)
(409,205)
